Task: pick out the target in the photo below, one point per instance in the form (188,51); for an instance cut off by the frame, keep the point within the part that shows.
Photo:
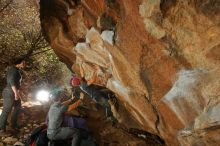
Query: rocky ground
(28,124)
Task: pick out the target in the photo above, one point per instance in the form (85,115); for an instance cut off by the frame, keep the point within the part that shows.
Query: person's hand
(82,96)
(98,70)
(17,96)
(73,97)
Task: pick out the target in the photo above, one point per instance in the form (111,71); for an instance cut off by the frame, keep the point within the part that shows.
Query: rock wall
(161,58)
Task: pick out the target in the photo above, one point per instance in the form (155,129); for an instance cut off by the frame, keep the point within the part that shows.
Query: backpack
(88,142)
(40,131)
(42,139)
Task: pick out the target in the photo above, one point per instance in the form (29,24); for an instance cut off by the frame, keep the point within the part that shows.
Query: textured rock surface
(161,58)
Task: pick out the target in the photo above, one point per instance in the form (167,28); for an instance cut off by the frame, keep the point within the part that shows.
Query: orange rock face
(161,58)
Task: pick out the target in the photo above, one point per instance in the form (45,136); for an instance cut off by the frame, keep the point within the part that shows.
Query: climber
(75,89)
(96,95)
(11,95)
(56,114)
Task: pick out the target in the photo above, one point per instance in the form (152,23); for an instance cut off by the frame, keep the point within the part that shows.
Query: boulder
(10,140)
(160,57)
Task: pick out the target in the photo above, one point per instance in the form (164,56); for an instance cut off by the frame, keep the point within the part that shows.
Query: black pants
(8,103)
(17,110)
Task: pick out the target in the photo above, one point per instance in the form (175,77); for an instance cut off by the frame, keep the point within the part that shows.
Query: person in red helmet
(75,81)
(91,90)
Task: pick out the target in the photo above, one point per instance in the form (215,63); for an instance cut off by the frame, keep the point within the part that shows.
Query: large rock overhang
(160,57)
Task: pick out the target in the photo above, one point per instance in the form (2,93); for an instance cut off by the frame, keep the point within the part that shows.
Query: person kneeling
(55,115)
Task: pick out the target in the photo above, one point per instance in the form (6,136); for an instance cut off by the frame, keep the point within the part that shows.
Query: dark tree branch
(5,6)
(40,52)
(36,41)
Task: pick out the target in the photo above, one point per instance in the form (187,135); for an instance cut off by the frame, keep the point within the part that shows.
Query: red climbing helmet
(75,81)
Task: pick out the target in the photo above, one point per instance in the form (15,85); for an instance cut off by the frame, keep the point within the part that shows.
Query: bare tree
(35,41)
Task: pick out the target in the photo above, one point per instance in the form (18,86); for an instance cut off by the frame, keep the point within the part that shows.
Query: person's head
(75,81)
(56,95)
(20,63)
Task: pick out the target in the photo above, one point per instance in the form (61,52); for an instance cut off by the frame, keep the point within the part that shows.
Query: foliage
(20,32)
(20,35)
(4,4)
